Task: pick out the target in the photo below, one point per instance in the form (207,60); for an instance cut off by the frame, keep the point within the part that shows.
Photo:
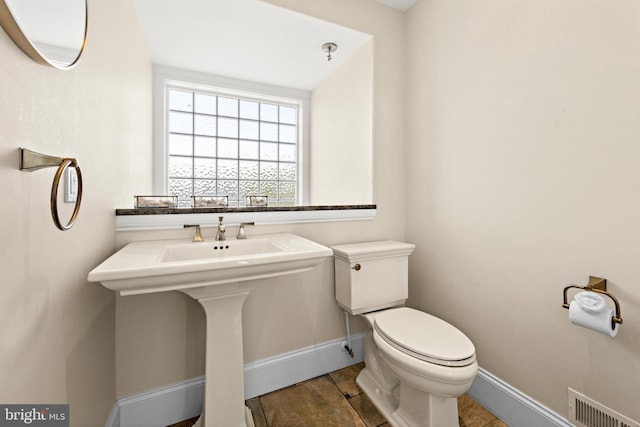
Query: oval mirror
(51,32)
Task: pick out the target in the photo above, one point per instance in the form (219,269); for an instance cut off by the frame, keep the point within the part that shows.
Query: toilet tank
(371,276)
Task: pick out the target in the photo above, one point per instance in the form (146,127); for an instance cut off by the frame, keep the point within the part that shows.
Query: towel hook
(31,161)
(597,285)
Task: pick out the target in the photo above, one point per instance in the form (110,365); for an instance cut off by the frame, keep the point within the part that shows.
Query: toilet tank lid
(372,250)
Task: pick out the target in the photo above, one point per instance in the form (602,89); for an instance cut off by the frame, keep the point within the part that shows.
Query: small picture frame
(210,201)
(257,201)
(155,201)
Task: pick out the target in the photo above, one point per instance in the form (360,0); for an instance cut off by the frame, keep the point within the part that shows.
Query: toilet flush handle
(357,267)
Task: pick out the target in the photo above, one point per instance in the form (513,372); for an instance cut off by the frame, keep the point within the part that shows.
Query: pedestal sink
(220,275)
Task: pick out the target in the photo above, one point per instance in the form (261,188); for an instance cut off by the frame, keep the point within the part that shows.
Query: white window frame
(165,78)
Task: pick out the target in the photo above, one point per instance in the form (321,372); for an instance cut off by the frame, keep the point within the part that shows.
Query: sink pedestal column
(223,404)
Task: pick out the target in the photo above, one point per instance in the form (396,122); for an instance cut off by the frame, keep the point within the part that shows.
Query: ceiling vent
(586,412)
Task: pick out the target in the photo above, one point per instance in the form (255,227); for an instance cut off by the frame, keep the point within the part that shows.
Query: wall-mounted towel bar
(598,285)
(31,161)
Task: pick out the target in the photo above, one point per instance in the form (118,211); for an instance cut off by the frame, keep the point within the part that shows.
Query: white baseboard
(512,406)
(114,417)
(160,407)
(174,403)
(281,371)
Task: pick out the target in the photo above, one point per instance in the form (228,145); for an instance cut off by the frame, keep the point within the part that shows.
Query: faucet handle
(241,233)
(198,237)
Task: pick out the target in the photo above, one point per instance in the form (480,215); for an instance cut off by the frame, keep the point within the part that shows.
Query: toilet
(416,365)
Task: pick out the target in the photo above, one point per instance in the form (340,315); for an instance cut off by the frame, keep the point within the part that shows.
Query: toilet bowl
(416,365)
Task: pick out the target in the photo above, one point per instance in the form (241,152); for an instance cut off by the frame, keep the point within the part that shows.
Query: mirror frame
(15,32)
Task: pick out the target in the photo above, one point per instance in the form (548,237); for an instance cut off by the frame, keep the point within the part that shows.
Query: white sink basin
(216,274)
(219,250)
(166,265)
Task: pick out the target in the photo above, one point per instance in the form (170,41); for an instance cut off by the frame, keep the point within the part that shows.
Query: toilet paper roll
(600,322)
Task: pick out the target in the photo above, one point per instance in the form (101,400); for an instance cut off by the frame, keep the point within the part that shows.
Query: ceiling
(245,39)
(402,5)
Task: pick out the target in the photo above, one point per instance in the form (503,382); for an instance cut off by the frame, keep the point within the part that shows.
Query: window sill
(166,218)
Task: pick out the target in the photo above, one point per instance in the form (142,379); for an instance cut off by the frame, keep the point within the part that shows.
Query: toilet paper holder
(598,285)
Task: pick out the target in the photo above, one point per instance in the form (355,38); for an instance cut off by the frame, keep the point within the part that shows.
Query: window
(226,142)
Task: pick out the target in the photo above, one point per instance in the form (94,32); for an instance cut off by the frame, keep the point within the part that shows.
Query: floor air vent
(585,412)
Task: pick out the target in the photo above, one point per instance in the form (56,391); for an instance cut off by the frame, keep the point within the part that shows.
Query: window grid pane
(226,146)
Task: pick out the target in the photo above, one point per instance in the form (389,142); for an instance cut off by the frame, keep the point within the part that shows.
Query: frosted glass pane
(287,190)
(248,169)
(269,170)
(269,112)
(205,104)
(248,129)
(287,153)
(248,188)
(181,144)
(229,189)
(268,151)
(227,107)
(248,149)
(180,187)
(204,168)
(228,127)
(180,100)
(249,110)
(287,171)
(220,145)
(227,169)
(269,189)
(180,122)
(268,131)
(205,146)
(288,115)
(204,187)
(180,167)
(205,125)
(228,148)
(288,133)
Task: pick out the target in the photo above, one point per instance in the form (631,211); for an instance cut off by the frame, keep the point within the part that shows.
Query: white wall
(522,166)
(342,133)
(57,330)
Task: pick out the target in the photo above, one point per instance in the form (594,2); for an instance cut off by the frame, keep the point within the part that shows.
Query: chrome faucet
(198,237)
(221,230)
(241,234)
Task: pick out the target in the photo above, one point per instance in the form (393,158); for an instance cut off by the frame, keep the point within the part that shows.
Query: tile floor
(335,400)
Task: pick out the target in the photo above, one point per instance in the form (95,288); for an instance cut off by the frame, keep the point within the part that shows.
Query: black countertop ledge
(208,210)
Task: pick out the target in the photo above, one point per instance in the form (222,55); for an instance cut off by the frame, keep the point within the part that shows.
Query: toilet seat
(424,337)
